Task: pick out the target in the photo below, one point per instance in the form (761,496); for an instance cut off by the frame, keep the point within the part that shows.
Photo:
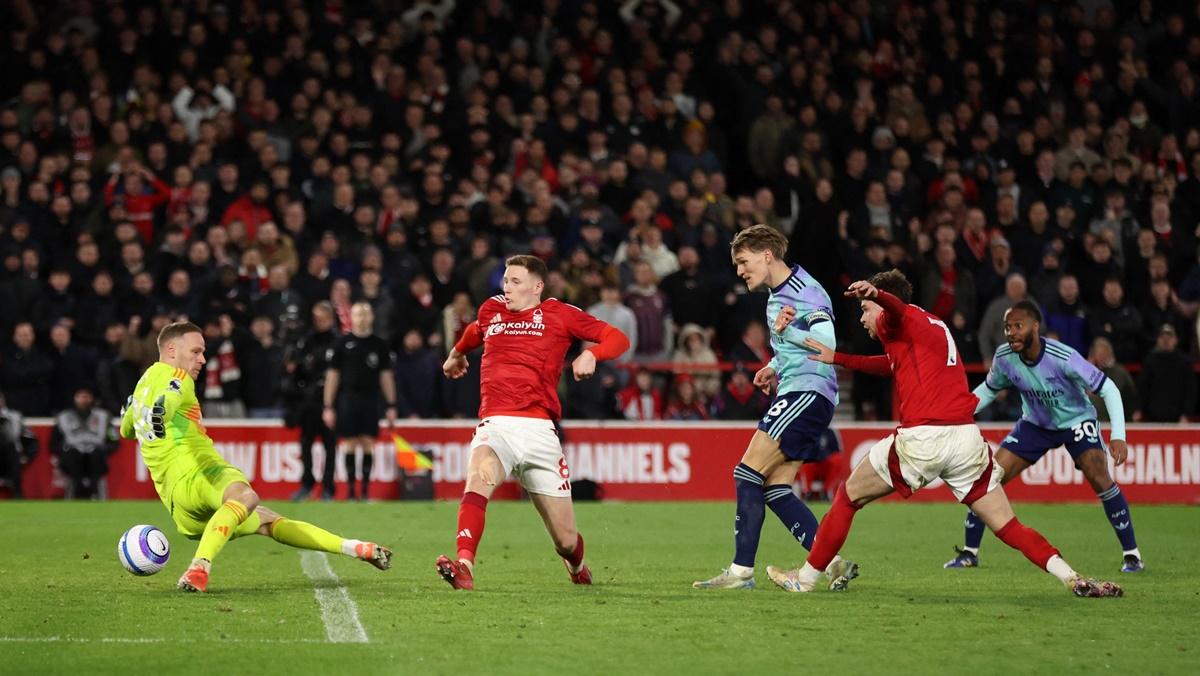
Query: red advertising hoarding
(643,461)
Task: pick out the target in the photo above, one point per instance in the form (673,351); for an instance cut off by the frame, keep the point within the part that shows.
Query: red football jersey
(930,378)
(523,354)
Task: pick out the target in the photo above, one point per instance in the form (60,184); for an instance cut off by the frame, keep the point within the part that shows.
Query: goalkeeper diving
(208,498)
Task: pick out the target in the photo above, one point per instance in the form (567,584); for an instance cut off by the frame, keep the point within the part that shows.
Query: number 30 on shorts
(1086,430)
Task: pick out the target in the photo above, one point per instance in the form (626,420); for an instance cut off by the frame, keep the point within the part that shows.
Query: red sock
(1030,542)
(576,556)
(472,512)
(832,532)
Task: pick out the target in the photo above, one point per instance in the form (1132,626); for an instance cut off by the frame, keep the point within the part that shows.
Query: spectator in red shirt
(140,193)
(251,209)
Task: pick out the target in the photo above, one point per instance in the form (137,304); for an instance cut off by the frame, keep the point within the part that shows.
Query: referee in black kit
(361,368)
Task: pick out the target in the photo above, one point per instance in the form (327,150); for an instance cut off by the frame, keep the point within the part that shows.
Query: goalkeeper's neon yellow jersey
(163,414)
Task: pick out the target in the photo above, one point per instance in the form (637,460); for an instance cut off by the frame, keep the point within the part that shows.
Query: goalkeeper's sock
(220,528)
(307,536)
(973,527)
(795,515)
(747,524)
(835,527)
(472,513)
(1116,508)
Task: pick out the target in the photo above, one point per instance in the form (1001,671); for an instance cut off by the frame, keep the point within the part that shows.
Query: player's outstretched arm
(877,365)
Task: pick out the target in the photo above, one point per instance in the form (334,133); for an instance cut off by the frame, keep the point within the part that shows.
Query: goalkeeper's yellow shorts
(195,497)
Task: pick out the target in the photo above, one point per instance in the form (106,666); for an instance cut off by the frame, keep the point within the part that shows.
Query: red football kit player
(937,438)
(524,343)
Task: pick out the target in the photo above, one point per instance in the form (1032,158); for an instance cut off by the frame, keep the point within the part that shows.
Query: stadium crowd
(249,165)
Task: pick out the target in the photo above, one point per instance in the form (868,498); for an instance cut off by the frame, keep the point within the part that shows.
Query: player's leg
(367,443)
(329,472)
(997,513)
(974,478)
(1094,464)
(308,433)
(350,461)
(968,557)
(70,463)
(865,485)
(304,535)
(226,492)
(762,458)
(97,468)
(791,510)
(485,472)
(558,513)
(797,434)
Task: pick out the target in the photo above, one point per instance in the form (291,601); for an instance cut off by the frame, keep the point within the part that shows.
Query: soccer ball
(143,550)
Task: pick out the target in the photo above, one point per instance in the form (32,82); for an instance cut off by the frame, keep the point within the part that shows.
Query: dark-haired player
(525,340)
(937,437)
(1054,381)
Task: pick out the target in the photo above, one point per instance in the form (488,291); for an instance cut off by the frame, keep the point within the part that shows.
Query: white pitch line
(143,639)
(338,611)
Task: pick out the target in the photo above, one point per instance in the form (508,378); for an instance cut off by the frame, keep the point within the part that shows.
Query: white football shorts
(912,457)
(530,450)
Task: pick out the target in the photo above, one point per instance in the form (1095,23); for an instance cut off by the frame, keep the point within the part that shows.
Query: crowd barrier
(638,461)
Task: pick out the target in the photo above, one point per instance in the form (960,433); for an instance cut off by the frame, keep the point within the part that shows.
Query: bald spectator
(991,327)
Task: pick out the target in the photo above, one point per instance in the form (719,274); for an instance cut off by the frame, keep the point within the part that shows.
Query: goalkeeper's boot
(840,573)
(726,580)
(789,579)
(195,578)
(376,555)
(1087,587)
(456,573)
(1132,563)
(584,576)
(963,558)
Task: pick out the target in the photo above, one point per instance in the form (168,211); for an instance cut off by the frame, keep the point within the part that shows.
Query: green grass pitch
(67,606)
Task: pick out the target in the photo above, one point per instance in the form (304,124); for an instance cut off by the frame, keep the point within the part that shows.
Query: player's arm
(991,387)
(817,323)
(1093,379)
(387,384)
(877,365)
(610,342)
(333,378)
(127,419)
(456,363)
(893,310)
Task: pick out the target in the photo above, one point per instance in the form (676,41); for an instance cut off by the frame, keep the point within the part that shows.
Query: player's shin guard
(747,525)
(220,528)
(306,536)
(472,512)
(1117,510)
(795,515)
(833,531)
(1028,541)
(973,527)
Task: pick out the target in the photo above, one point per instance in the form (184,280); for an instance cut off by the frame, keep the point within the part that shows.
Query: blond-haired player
(208,498)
